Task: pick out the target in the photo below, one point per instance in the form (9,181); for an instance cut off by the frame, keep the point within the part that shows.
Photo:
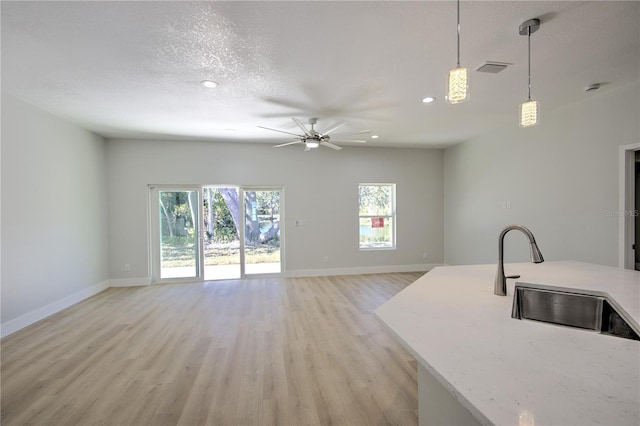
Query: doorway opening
(221,233)
(629,208)
(262,251)
(636,212)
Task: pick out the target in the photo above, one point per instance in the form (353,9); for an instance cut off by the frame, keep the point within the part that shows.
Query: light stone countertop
(515,372)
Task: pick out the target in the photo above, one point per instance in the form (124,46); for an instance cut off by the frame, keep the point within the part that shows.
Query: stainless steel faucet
(500,285)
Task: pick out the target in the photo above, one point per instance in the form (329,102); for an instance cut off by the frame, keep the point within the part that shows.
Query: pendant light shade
(529,113)
(457,85)
(529,109)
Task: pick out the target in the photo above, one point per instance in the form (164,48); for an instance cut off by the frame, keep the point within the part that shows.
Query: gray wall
(561,178)
(321,186)
(74,207)
(54,212)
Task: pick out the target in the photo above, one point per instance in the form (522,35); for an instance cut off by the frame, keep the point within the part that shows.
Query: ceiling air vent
(492,67)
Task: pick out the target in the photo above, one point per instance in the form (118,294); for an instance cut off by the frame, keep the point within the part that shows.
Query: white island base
(437,406)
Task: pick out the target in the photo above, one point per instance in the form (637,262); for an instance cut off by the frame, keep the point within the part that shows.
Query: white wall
(321,186)
(54,214)
(560,176)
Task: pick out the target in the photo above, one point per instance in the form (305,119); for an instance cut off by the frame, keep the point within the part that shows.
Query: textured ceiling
(132,69)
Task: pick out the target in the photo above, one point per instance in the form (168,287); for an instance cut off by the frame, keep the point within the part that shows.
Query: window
(377,215)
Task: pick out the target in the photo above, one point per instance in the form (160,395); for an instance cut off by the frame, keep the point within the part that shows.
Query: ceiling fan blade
(333,127)
(361,132)
(332,146)
(286,103)
(285,114)
(299,123)
(288,143)
(348,140)
(281,131)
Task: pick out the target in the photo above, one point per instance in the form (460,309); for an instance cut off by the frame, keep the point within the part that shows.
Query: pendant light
(529,110)
(457,87)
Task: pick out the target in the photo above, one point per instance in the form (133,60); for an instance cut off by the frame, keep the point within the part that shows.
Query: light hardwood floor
(296,351)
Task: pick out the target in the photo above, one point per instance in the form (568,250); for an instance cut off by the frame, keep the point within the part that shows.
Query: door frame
(626,197)
(240,233)
(154,230)
(154,234)
(243,189)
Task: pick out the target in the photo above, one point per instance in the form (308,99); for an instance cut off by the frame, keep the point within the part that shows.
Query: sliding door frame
(154,247)
(248,188)
(154,233)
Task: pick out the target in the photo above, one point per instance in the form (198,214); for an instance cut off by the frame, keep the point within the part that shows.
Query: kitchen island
(477,365)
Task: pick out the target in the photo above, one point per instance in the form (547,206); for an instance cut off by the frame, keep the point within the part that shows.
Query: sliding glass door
(215,232)
(179,246)
(221,233)
(262,251)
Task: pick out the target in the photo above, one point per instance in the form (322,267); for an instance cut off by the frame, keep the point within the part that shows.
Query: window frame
(392,216)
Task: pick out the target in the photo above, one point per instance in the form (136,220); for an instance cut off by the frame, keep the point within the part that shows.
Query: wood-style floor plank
(296,351)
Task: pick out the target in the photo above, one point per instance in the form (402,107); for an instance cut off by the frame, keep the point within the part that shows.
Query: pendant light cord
(529,39)
(458,33)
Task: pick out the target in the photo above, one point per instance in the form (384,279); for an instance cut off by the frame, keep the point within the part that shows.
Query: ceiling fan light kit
(312,143)
(311,138)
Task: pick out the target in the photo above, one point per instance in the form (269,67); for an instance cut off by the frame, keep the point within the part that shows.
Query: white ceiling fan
(311,138)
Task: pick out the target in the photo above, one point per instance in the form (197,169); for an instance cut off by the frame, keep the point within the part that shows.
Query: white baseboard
(359,270)
(130,282)
(27,319)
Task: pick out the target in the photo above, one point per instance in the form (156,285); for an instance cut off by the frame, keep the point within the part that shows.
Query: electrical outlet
(127,267)
(326,259)
(424,255)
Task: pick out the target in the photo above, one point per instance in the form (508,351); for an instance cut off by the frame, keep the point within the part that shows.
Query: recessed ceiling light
(374,136)
(209,84)
(428,99)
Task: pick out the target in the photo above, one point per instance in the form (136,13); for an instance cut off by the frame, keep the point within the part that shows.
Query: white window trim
(393,216)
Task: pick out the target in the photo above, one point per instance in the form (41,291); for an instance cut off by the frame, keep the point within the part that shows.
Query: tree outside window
(377,215)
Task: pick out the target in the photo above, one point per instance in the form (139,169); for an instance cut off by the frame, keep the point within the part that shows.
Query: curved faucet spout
(500,285)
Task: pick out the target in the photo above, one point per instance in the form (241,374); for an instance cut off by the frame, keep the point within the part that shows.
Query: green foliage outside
(376,201)
(221,244)
(177,253)
(222,229)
